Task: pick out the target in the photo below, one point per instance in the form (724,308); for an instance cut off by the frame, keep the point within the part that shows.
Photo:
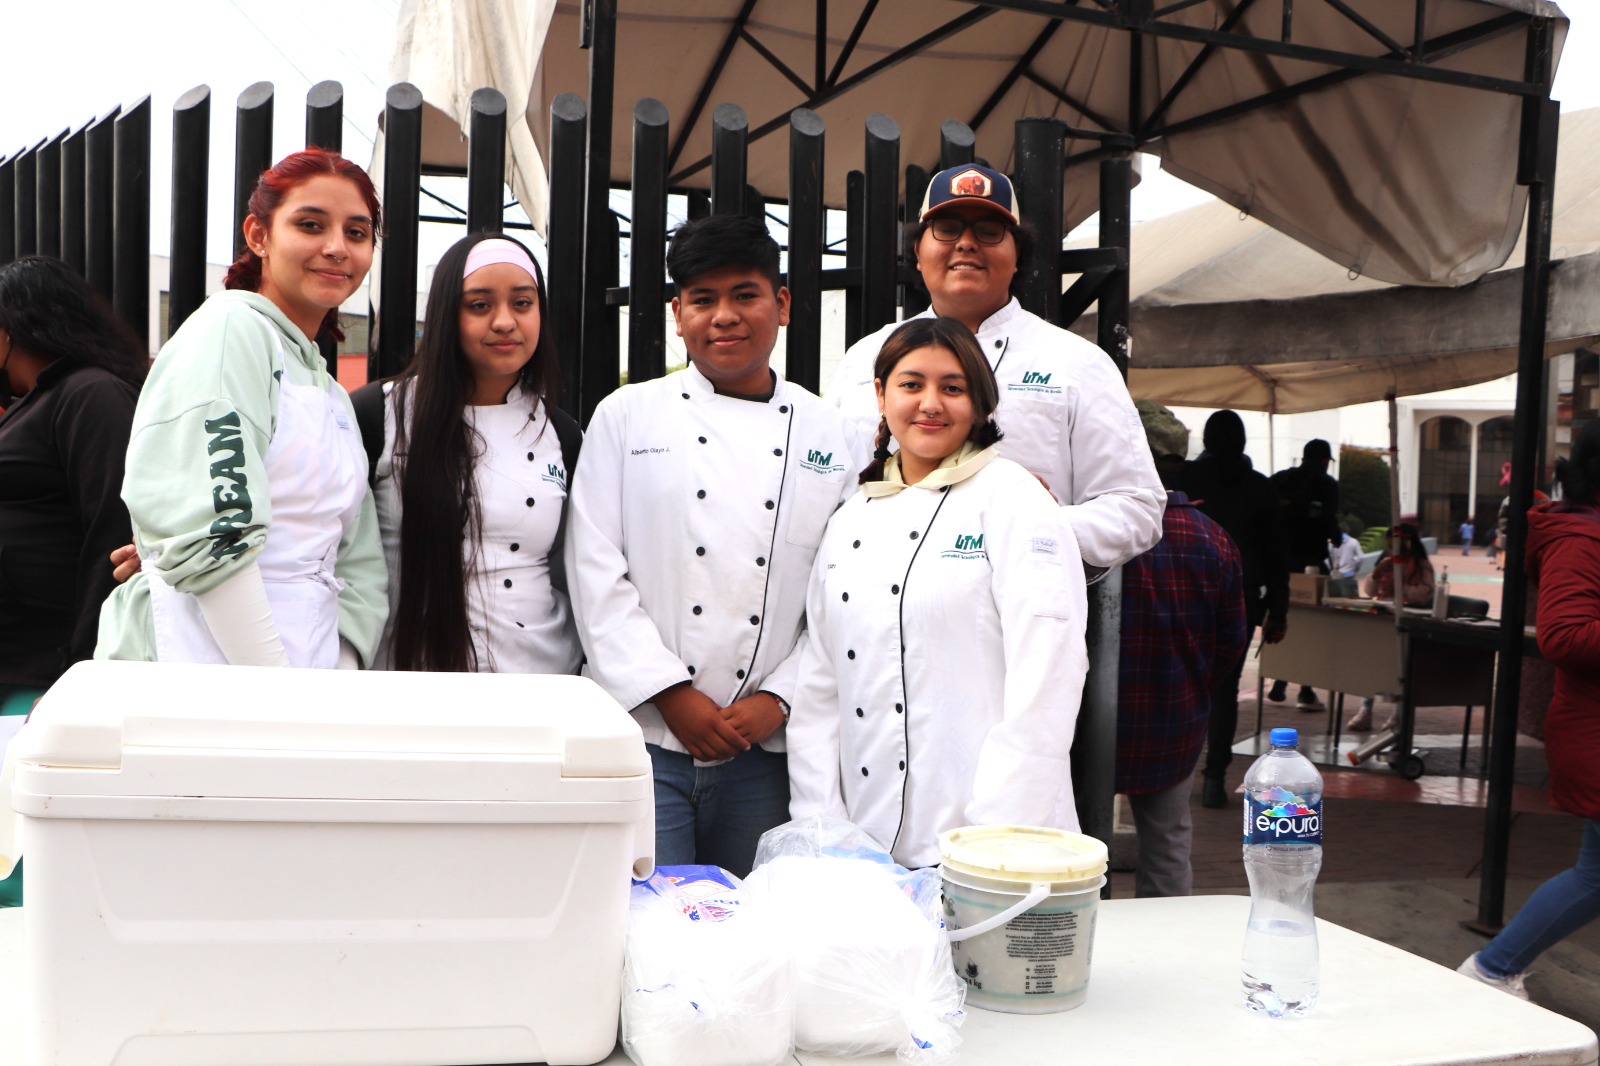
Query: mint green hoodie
(221,366)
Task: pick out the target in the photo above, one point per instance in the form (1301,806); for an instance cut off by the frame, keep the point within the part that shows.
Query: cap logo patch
(971,183)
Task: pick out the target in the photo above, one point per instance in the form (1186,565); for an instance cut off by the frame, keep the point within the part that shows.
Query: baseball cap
(970,184)
(1317,448)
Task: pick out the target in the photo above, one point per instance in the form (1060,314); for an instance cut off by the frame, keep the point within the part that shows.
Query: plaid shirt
(1183,629)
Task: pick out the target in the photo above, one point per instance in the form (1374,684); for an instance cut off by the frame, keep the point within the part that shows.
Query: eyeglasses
(984,230)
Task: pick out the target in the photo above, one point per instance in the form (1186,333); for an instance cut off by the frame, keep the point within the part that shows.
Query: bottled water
(1282,856)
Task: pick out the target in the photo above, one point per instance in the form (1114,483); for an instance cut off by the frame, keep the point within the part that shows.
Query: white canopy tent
(1378,173)
(1227,312)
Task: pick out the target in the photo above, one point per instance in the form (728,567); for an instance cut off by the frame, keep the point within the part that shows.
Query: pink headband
(497,250)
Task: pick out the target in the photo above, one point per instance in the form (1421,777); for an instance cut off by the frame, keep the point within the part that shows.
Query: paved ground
(1401,860)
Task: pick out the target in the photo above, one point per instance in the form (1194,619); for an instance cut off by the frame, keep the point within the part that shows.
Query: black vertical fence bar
(807,212)
(855,242)
(130,283)
(882,199)
(698,204)
(1040,151)
(191,168)
(8,210)
(755,205)
(99,175)
(47,196)
(325,116)
(72,199)
(913,296)
(957,144)
(611,334)
(569,120)
(647,324)
(486,162)
(402,184)
(252,151)
(1537,170)
(27,196)
(595,381)
(325,129)
(1116,190)
(730,131)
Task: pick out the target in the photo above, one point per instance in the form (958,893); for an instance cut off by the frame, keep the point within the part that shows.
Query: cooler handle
(1036,895)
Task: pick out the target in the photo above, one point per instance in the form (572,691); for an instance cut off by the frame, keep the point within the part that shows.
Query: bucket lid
(1022,853)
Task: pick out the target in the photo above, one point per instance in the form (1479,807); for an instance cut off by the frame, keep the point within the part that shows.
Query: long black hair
(1579,475)
(53,313)
(952,335)
(439,511)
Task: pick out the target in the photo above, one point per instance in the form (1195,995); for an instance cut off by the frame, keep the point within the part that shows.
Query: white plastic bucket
(1020,904)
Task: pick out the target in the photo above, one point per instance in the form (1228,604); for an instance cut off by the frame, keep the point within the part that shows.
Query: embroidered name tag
(1044,546)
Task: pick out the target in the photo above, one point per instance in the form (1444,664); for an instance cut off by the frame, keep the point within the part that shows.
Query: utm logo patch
(971,183)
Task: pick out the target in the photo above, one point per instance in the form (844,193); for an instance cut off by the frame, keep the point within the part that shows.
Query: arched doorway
(1494,455)
(1444,468)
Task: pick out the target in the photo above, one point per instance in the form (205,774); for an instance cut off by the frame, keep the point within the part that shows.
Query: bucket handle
(1035,895)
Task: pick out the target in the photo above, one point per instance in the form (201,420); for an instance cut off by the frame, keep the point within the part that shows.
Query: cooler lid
(319,733)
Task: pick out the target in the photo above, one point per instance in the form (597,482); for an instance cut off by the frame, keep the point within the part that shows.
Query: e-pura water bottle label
(1279,816)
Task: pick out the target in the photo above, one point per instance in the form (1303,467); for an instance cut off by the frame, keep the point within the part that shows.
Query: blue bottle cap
(1285,737)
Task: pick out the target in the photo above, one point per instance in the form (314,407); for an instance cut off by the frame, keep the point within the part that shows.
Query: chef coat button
(686,396)
(530,457)
(864,771)
(777,451)
(845,596)
(702,440)
(898,709)
(521,626)
(529,501)
(739,674)
(895,589)
(998,343)
(770,505)
(855,544)
(515,546)
(691,671)
(700,494)
(697,608)
(755,619)
(850,654)
(944,488)
(902,764)
(914,534)
(508,582)
(860,713)
(761,560)
(784,409)
(699,551)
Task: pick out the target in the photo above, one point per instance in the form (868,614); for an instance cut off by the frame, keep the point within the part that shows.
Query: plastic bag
(705,982)
(869,962)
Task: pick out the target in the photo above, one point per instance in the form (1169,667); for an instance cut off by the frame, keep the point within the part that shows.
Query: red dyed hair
(272,187)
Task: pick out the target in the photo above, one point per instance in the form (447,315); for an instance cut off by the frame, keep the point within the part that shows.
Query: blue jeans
(1562,905)
(715,815)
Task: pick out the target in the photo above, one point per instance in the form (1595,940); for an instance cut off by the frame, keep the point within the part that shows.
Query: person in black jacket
(1226,489)
(1309,499)
(69,377)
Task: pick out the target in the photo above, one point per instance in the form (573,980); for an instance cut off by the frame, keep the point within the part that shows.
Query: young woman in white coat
(944,657)
(471,482)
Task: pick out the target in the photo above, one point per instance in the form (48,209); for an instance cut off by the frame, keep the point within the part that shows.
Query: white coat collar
(1003,321)
(699,386)
(956,467)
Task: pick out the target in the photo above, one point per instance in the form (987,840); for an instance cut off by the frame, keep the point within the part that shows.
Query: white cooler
(231,866)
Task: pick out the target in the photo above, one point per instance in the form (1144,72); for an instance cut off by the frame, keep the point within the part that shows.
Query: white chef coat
(943,663)
(518,621)
(693,523)
(1067,417)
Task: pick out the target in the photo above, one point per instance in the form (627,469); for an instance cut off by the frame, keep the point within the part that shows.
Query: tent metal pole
(1536,170)
(595,379)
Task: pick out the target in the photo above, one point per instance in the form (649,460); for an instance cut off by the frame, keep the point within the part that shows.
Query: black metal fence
(85,196)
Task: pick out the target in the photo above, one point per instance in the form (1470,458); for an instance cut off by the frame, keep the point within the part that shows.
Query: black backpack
(369,404)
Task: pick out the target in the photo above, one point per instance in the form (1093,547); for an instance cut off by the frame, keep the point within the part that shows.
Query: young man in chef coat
(692,526)
(1065,411)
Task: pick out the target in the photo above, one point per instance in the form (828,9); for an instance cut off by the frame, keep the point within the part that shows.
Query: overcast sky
(69,61)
